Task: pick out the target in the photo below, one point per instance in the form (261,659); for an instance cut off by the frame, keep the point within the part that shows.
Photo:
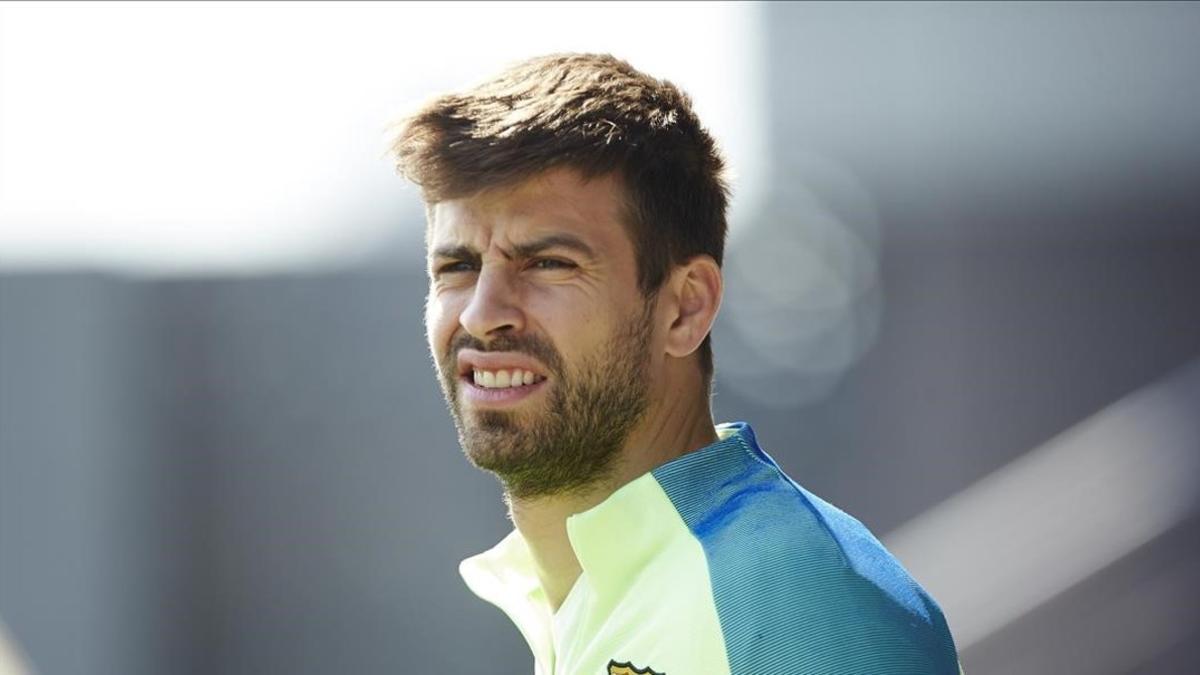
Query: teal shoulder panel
(800,586)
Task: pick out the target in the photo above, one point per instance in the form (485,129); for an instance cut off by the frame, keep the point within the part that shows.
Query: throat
(543,525)
(557,585)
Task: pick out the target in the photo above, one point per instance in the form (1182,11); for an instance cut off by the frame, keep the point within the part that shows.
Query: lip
(470,359)
(497,398)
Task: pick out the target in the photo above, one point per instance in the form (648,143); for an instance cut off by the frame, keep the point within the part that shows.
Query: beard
(571,443)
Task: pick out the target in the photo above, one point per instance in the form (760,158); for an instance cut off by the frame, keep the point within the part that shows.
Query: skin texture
(572,443)
(622,390)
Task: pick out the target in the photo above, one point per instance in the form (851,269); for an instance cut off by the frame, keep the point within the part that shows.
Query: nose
(493,307)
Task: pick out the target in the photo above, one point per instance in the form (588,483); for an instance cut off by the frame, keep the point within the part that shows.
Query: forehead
(557,201)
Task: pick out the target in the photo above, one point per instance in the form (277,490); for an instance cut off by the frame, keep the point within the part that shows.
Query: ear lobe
(696,287)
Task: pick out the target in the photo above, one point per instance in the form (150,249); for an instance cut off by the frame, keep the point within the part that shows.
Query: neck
(669,432)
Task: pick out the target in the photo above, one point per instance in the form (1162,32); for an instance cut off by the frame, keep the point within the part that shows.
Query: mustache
(531,345)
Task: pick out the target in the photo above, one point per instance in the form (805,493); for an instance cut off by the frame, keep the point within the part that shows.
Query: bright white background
(168,138)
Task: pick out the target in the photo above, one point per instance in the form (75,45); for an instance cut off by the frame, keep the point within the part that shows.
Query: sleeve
(847,635)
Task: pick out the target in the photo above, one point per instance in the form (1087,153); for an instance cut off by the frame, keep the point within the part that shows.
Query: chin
(488,430)
(495,456)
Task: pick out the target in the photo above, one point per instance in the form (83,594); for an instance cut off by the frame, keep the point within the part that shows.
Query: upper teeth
(497,379)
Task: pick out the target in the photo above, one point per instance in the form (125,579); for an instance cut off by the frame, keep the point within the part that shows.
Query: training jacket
(717,563)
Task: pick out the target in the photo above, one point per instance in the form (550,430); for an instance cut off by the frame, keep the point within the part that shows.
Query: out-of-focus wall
(982,231)
(234,476)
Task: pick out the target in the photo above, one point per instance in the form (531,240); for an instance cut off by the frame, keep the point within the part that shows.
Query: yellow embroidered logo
(628,668)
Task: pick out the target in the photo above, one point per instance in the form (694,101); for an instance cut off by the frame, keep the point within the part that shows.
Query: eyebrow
(560,240)
(457,252)
(525,250)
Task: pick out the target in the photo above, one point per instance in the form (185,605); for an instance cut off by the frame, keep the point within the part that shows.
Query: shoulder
(801,586)
(816,592)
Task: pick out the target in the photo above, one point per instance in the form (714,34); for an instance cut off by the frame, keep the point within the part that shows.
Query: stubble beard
(570,444)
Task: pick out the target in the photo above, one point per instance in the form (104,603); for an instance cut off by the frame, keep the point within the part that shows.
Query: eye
(551,264)
(456,267)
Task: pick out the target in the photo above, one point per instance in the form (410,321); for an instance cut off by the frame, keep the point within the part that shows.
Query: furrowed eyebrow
(567,241)
(460,252)
(525,250)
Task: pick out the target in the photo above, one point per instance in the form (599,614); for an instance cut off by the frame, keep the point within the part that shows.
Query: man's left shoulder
(798,580)
(787,538)
(798,584)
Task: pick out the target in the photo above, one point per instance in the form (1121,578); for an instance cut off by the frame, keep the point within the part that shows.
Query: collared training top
(717,563)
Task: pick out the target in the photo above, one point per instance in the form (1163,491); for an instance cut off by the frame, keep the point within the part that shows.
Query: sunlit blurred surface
(11,661)
(242,137)
(1061,512)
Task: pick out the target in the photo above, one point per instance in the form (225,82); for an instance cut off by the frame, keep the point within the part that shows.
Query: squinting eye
(551,264)
(451,268)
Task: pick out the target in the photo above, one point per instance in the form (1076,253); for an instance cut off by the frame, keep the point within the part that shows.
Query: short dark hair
(598,115)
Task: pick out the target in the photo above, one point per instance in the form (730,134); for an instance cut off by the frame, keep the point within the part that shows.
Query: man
(576,226)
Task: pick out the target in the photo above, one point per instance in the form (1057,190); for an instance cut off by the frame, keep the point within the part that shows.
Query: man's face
(540,336)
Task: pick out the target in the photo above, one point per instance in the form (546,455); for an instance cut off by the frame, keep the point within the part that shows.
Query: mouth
(497,380)
(502,378)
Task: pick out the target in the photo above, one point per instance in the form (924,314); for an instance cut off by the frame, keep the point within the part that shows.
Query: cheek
(578,330)
(438,325)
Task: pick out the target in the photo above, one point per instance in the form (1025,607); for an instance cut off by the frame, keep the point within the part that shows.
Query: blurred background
(963,304)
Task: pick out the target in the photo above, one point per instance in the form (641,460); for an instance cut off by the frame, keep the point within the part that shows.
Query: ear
(695,289)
